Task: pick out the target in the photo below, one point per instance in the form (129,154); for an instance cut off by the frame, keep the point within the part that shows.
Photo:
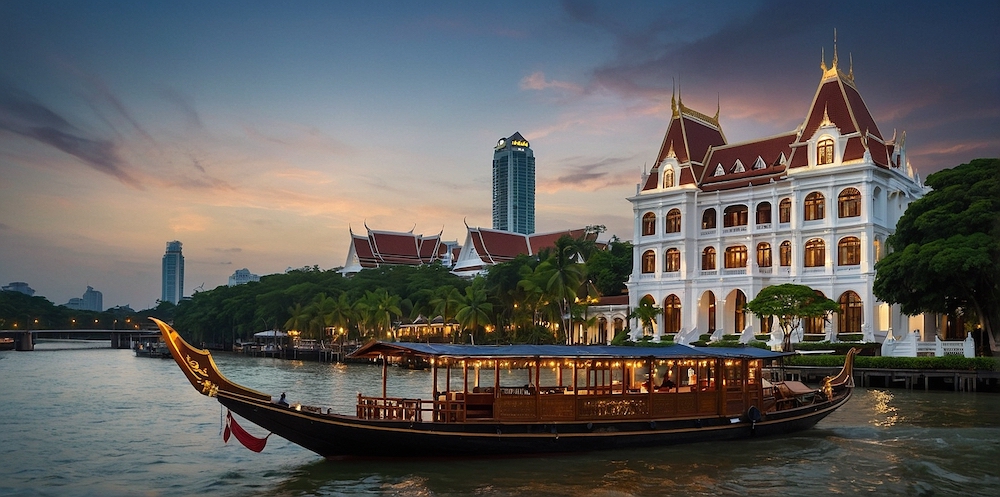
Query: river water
(82,419)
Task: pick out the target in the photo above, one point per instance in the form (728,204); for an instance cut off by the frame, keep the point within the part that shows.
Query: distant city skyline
(260,133)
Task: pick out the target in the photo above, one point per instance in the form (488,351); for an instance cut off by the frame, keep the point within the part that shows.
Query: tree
(610,269)
(791,303)
(474,308)
(945,253)
(646,312)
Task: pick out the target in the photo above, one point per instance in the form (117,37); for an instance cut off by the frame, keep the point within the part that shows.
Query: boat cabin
(557,383)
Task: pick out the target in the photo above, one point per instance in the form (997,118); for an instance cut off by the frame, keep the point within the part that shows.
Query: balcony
(740,271)
(709,272)
(734,229)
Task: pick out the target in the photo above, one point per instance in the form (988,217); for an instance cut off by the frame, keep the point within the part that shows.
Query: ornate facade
(716,222)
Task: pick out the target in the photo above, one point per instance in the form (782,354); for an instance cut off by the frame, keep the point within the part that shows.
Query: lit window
(851,313)
(764,254)
(672,314)
(649,262)
(849,251)
(849,203)
(668,178)
(672,260)
(824,152)
(785,211)
(814,206)
(648,224)
(673,221)
(736,257)
(785,253)
(815,255)
(708,259)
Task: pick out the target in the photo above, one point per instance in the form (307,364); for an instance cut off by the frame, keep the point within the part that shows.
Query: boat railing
(391,408)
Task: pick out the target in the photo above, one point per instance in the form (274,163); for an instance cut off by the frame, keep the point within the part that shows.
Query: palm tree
(475,308)
(342,314)
(300,317)
(446,301)
(565,276)
(381,308)
(646,312)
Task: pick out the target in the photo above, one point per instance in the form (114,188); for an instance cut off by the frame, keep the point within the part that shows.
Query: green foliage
(791,304)
(610,269)
(879,362)
(945,253)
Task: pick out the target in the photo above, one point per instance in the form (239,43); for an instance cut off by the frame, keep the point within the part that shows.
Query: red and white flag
(249,441)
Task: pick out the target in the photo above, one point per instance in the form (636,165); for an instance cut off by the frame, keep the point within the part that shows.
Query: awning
(395,349)
(270,334)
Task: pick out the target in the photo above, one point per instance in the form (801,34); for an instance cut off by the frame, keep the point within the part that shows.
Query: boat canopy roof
(398,349)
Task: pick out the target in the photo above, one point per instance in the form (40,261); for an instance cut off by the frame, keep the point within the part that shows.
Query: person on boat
(667,382)
(282,401)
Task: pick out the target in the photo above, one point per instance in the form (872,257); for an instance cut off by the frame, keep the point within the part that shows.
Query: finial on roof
(366,227)
(349,230)
(822,59)
(826,117)
(850,72)
(834,47)
(718,106)
(670,152)
(673,97)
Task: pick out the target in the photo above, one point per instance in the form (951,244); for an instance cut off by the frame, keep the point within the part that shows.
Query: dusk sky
(257,133)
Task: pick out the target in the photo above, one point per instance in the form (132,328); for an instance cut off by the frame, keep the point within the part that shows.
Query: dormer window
(738,168)
(719,171)
(824,152)
(759,163)
(668,178)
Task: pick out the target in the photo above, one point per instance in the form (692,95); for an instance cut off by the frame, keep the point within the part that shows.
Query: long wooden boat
(521,399)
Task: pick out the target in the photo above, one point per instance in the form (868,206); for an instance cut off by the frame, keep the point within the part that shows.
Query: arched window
(672,260)
(877,248)
(736,257)
(764,254)
(734,215)
(815,206)
(602,330)
(849,251)
(851,312)
(739,312)
(849,203)
(672,314)
(649,262)
(785,253)
(708,258)
(815,255)
(824,152)
(764,213)
(711,311)
(785,211)
(708,219)
(668,178)
(673,221)
(648,224)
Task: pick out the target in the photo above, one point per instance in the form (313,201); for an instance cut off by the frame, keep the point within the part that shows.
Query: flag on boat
(249,441)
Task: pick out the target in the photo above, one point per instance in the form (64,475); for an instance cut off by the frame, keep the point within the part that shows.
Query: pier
(957,380)
(24,340)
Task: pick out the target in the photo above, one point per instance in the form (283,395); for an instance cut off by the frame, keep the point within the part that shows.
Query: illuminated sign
(519,143)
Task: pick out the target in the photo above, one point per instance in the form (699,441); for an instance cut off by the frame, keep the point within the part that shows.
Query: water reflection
(888,415)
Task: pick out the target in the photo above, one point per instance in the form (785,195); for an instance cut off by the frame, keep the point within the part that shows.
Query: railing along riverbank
(937,379)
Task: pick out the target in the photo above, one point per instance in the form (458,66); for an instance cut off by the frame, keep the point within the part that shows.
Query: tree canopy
(945,254)
(790,303)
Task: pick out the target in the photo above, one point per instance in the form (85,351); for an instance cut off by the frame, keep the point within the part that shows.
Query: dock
(938,379)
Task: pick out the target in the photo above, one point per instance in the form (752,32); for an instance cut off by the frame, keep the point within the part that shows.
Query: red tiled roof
(690,139)
(613,300)
(769,150)
(548,240)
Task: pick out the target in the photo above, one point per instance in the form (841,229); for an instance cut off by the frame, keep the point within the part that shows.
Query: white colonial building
(716,222)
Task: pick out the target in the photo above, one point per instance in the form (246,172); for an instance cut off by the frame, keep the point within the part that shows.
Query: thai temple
(716,222)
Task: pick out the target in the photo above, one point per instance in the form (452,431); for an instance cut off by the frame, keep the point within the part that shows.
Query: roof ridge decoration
(833,71)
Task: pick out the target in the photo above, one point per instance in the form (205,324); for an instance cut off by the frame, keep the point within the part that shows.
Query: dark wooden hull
(334,436)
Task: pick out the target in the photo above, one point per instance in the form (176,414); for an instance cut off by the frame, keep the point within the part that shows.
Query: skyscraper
(173,273)
(514,185)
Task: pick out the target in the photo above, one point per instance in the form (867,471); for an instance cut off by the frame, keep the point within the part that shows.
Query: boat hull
(333,436)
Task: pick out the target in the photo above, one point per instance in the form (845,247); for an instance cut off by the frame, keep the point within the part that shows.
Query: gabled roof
(392,247)
(439,350)
(771,151)
(689,136)
(485,247)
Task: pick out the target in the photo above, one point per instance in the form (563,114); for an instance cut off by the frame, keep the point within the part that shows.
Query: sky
(260,133)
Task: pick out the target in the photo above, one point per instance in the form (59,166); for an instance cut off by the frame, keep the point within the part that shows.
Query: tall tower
(514,185)
(173,273)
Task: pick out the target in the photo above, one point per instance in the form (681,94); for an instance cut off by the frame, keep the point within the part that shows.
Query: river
(83,419)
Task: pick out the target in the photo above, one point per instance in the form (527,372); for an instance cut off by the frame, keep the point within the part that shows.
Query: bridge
(120,339)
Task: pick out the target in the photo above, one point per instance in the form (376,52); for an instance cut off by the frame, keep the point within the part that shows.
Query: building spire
(673,99)
(822,59)
(834,48)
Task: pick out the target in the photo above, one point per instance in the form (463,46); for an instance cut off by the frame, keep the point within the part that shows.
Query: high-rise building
(514,185)
(242,277)
(92,300)
(173,273)
(19,286)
